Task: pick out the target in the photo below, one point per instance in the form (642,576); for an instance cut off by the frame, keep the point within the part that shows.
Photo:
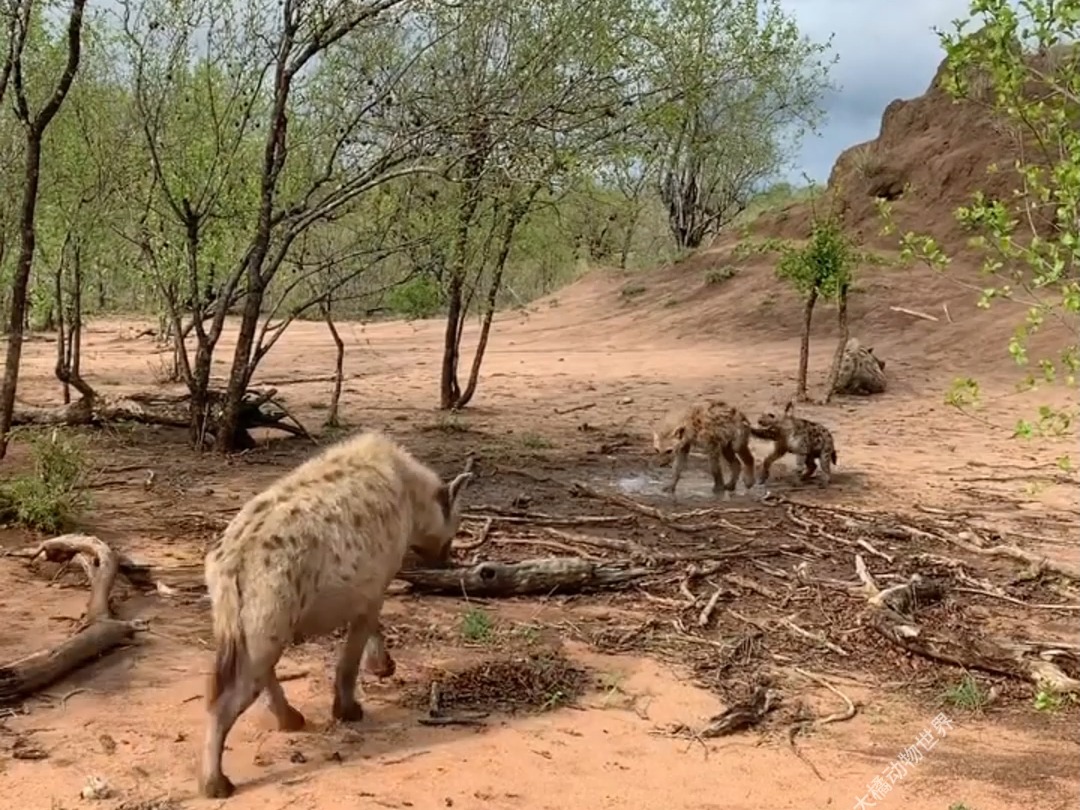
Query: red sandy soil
(630,347)
(633,361)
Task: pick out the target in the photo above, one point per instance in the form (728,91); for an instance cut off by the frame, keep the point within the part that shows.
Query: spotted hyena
(810,441)
(315,551)
(861,371)
(722,430)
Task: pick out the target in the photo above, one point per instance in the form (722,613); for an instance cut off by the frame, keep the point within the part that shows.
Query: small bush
(967,695)
(420,297)
(50,497)
(476,625)
(718,275)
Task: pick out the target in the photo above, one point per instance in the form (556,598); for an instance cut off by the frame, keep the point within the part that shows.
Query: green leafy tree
(821,267)
(279,124)
(746,86)
(35,108)
(528,96)
(1024,65)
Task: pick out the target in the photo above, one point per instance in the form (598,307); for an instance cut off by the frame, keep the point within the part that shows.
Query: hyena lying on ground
(722,430)
(314,551)
(810,442)
(861,372)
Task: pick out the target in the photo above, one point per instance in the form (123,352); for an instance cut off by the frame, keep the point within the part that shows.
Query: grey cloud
(886,50)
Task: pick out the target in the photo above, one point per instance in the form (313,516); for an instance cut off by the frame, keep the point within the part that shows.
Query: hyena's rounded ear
(679,432)
(789,408)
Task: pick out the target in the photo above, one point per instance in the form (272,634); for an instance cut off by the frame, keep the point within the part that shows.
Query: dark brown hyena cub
(722,430)
(810,442)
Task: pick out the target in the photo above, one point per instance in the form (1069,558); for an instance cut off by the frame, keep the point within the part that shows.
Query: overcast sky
(887,50)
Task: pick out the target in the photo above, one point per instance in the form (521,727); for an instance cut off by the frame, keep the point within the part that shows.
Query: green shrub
(50,496)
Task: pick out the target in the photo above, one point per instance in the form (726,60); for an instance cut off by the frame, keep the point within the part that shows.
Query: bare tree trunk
(513,218)
(845,333)
(240,374)
(804,347)
(628,238)
(35,127)
(61,326)
(449,389)
(332,418)
(17,320)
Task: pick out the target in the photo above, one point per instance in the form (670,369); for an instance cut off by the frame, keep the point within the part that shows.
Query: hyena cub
(315,551)
(722,430)
(810,441)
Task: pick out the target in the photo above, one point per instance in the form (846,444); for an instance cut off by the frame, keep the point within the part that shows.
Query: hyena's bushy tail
(229,639)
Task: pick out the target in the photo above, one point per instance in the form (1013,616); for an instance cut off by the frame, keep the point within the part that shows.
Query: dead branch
(835,717)
(541,519)
(742,715)
(749,585)
(575,408)
(547,575)
(818,637)
(893,617)
(1014,601)
(710,606)
(481,538)
(1036,561)
(914,313)
(98,633)
(160,409)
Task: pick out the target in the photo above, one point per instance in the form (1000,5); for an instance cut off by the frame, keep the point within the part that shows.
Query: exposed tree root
(98,633)
(893,617)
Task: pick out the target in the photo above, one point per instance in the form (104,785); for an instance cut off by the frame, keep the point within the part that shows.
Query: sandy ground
(134,719)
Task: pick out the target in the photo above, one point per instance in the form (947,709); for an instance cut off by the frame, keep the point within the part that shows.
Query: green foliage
(823,265)
(477,625)
(748,85)
(967,695)
(495,147)
(51,496)
(419,297)
(1051,701)
(718,275)
(1022,64)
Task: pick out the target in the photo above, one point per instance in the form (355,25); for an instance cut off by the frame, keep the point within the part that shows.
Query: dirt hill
(936,146)
(930,156)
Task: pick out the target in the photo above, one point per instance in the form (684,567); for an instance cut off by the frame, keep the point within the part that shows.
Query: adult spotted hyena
(720,429)
(861,373)
(315,551)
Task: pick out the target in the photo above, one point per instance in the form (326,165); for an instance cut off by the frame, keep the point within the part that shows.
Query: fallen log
(99,631)
(259,409)
(543,575)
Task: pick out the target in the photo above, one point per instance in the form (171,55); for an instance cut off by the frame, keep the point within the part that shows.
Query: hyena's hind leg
(236,682)
(826,466)
(288,718)
(767,462)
